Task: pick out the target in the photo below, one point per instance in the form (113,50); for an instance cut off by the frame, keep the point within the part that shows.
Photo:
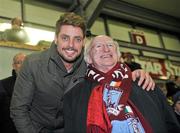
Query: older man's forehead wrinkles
(105,42)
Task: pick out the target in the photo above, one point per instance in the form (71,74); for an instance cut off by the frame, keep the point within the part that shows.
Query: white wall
(6,57)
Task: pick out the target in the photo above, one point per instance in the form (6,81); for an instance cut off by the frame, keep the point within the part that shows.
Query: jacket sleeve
(22,98)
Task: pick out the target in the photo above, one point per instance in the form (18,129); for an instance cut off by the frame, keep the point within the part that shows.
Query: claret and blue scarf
(109,109)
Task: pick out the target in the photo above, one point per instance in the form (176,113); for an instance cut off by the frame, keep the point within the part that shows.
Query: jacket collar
(14,75)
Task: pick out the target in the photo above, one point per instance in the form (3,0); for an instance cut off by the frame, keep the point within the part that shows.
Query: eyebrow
(78,37)
(73,36)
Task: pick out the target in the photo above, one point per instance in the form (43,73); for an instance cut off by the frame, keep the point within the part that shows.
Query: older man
(108,101)
(6,90)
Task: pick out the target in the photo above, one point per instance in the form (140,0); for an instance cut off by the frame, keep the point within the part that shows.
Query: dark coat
(6,90)
(37,101)
(178,117)
(172,88)
(151,104)
(133,65)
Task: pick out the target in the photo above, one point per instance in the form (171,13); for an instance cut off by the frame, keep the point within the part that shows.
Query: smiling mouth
(70,50)
(106,56)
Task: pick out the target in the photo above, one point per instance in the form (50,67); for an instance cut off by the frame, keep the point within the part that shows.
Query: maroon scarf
(98,120)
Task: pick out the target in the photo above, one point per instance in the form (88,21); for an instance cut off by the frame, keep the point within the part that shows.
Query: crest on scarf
(111,96)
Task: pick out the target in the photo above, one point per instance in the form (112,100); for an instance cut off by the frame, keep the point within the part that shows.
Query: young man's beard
(70,61)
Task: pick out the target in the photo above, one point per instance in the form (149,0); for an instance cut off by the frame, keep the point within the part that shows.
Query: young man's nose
(71,43)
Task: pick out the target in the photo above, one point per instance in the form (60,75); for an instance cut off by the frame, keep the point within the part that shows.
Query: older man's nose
(105,47)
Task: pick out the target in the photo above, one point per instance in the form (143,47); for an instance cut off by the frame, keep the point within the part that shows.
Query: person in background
(37,101)
(162,86)
(6,90)
(176,104)
(108,101)
(173,86)
(129,60)
(2,111)
(16,33)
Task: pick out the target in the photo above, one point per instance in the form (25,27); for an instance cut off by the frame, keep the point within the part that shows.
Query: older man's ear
(88,59)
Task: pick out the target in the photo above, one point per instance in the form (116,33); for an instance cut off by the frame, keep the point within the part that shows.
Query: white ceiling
(169,7)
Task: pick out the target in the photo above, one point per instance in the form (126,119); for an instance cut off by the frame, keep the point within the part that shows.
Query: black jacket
(178,117)
(151,104)
(133,65)
(172,88)
(6,90)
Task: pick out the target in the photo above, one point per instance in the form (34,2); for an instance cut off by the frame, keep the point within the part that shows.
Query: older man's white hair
(88,47)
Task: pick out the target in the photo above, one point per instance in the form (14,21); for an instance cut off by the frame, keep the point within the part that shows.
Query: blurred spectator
(6,89)
(129,60)
(162,86)
(176,105)
(2,94)
(16,33)
(173,85)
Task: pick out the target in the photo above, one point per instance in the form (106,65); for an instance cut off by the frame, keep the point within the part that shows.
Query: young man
(107,101)
(37,102)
